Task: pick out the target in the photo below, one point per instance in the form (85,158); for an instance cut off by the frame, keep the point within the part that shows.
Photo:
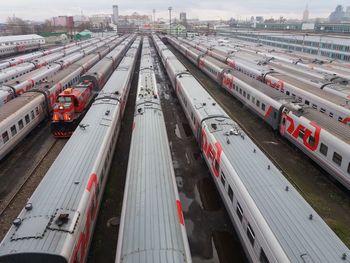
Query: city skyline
(210,10)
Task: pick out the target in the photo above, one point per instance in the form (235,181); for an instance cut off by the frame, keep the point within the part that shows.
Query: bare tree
(18,26)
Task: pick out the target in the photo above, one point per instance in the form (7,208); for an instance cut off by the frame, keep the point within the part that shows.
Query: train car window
(307,102)
(248,96)
(239,211)
(240,91)
(230,193)
(5,136)
(314,106)
(32,113)
(13,130)
(244,94)
(340,119)
(258,103)
(349,168)
(337,158)
(301,134)
(331,114)
(20,124)
(288,93)
(27,119)
(263,106)
(37,110)
(253,99)
(263,258)
(324,149)
(223,179)
(311,140)
(322,110)
(250,234)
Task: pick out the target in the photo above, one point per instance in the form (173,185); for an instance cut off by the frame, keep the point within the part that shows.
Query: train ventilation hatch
(64,220)
(31,227)
(306,258)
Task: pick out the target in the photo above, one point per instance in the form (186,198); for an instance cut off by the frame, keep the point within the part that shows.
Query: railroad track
(14,193)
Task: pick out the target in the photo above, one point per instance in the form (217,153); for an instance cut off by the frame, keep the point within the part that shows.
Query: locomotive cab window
(337,158)
(32,113)
(312,140)
(324,149)
(263,106)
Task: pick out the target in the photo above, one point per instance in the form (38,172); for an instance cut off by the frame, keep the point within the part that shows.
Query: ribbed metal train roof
(63,185)
(286,212)
(151,226)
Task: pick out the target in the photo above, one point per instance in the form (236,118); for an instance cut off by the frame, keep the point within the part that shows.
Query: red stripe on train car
(92,180)
(179,212)
(268,112)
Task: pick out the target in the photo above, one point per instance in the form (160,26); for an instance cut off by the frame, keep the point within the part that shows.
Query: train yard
(190,200)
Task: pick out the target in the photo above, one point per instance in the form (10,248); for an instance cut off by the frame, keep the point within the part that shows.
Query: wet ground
(330,199)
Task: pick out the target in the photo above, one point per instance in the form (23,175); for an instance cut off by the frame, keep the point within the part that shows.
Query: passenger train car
(329,103)
(22,114)
(274,222)
(308,129)
(26,82)
(58,221)
(152,227)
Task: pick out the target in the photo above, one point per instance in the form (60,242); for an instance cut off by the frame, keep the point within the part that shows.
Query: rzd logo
(294,131)
(211,154)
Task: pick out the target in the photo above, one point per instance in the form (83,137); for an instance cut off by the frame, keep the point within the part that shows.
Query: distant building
(100,20)
(183,19)
(80,20)
(135,19)
(306,14)
(338,15)
(115,14)
(259,19)
(63,21)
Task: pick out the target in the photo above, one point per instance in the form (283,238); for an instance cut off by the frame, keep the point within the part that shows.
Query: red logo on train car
(311,144)
(211,154)
(279,85)
(80,249)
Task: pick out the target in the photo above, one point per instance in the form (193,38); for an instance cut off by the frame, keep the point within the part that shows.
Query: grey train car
(57,223)
(152,225)
(274,222)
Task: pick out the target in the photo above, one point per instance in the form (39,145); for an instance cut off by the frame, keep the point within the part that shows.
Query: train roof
(6,39)
(333,126)
(151,229)
(285,211)
(61,190)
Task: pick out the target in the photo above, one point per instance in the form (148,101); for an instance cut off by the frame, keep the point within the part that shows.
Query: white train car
(152,227)
(274,222)
(22,114)
(334,106)
(271,106)
(58,221)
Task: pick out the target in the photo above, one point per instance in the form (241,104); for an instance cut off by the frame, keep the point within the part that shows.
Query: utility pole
(170,8)
(154,19)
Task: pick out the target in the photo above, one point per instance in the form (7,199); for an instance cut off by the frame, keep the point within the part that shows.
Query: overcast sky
(202,9)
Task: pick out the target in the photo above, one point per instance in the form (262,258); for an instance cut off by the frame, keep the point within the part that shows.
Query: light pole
(170,8)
